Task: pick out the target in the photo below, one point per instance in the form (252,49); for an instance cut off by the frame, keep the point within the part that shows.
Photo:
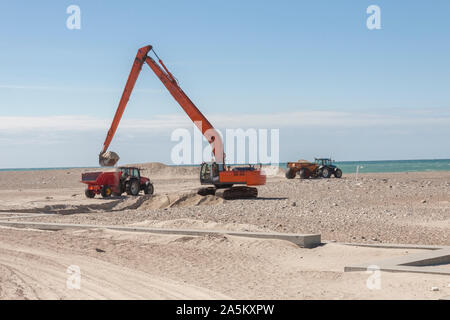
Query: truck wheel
(106,191)
(326,173)
(304,173)
(133,188)
(338,173)
(89,193)
(290,174)
(148,189)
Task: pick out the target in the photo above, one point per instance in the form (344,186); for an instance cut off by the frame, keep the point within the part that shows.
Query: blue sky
(284,62)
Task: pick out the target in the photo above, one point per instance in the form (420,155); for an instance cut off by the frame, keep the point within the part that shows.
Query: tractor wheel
(326,173)
(290,174)
(106,191)
(133,188)
(148,189)
(89,193)
(304,173)
(338,173)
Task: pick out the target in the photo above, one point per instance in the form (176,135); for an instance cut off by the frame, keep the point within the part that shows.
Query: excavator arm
(110,159)
(217,173)
(169,81)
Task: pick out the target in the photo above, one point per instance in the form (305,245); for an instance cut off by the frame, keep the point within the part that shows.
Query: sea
(392,166)
(347,166)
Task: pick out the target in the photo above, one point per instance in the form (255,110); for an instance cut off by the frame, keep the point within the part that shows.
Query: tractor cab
(130,172)
(324,162)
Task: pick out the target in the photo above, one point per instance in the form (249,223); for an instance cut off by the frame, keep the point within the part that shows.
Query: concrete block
(302,240)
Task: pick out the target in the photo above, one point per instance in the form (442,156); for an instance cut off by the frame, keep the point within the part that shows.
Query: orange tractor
(217,174)
(321,167)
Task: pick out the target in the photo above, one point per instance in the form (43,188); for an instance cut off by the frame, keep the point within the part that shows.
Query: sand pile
(145,202)
(179,201)
(273,171)
(198,224)
(162,171)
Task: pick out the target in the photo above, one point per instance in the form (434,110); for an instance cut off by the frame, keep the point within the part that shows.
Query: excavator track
(233,193)
(207,191)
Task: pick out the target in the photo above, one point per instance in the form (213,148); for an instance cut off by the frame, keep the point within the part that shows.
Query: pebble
(434,288)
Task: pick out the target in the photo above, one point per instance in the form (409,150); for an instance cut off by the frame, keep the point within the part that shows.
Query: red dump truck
(124,179)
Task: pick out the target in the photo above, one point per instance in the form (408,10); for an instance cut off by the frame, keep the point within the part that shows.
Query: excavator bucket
(108,159)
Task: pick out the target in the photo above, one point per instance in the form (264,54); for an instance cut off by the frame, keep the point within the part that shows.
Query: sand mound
(146,202)
(162,171)
(198,224)
(176,201)
(273,171)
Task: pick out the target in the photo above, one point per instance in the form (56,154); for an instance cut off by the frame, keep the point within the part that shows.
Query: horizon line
(193,164)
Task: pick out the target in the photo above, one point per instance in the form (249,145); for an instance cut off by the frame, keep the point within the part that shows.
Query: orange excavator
(220,177)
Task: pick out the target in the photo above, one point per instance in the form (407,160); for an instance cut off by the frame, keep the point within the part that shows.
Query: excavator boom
(217,174)
(189,107)
(110,159)
(169,81)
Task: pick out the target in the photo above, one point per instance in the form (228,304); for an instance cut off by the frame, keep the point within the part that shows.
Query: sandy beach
(381,208)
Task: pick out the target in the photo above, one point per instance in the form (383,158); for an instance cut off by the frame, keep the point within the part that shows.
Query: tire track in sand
(29,273)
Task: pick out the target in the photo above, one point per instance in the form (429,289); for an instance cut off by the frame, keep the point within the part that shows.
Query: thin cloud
(73,89)
(306,119)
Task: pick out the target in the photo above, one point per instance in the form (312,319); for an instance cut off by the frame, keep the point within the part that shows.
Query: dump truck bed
(101,178)
(90,176)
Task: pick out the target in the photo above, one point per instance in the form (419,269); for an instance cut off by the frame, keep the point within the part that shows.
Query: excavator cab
(209,173)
